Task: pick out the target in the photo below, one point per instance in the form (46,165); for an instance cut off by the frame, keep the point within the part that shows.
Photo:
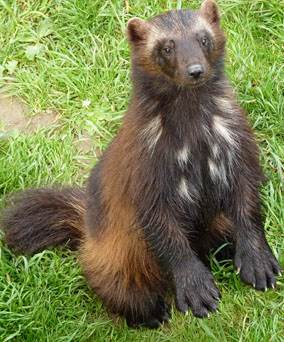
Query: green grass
(56,54)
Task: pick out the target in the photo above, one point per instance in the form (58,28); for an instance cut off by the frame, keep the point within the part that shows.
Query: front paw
(256,265)
(195,289)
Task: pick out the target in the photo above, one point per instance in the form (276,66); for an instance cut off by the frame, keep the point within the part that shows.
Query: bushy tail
(43,218)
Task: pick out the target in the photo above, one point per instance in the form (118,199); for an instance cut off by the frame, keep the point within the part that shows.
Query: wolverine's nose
(195,71)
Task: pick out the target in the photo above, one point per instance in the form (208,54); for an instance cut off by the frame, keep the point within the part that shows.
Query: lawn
(68,61)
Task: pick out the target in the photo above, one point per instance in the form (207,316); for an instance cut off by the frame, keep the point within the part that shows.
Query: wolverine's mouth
(192,83)
(196,84)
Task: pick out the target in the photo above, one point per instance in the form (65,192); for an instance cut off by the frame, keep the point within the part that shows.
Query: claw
(272,285)
(186,313)
(208,315)
(253,285)
(265,289)
(238,270)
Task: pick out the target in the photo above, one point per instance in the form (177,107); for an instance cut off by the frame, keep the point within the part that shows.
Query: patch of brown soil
(13,116)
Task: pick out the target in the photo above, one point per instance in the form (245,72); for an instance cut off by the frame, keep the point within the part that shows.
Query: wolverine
(181,178)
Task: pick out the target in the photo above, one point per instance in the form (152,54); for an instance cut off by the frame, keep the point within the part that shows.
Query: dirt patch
(13,116)
(42,120)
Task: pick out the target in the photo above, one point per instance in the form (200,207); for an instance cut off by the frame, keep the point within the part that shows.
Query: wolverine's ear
(210,11)
(137,30)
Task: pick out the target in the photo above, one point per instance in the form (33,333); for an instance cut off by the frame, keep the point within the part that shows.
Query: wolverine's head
(184,46)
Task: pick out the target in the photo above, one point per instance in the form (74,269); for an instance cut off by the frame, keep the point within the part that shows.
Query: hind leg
(125,276)
(253,258)
(217,239)
(154,313)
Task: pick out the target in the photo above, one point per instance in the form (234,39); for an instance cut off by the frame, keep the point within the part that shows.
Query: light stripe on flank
(183,156)
(152,132)
(215,150)
(184,191)
(217,173)
(213,169)
(221,126)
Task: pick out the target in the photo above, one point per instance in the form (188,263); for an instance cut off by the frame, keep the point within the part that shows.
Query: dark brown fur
(181,178)
(41,218)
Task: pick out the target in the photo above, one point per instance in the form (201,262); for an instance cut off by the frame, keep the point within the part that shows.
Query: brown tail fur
(44,218)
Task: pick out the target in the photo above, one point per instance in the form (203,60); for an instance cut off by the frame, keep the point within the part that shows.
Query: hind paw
(157,316)
(257,267)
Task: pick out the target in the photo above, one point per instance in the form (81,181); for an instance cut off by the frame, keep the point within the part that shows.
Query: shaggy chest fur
(192,151)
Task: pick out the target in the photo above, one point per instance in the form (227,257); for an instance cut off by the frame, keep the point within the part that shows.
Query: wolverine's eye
(204,41)
(167,51)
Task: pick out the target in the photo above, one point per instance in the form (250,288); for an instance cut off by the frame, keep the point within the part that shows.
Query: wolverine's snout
(195,71)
